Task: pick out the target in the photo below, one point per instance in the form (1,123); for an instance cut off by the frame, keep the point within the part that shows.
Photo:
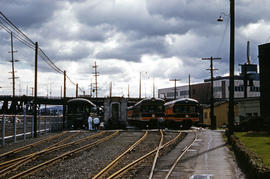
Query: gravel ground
(88,163)
(20,143)
(54,154)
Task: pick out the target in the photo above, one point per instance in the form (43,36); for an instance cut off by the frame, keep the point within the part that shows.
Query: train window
(152,108)
(159,108)
(185,109)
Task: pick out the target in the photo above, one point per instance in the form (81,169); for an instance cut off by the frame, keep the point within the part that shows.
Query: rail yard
(100,154)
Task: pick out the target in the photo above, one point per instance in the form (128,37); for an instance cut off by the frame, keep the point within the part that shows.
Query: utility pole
(65,87)
(77,86)
(213,118)
(110,93)
(27,90)
(64,103)
(153,88)
(32,89)
(189,87)
(140,86)
(35,88)
(128,90)
(12,64)
(96,82)
(231,87)
(175,80)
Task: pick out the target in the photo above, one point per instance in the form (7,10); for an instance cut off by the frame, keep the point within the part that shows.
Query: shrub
(254,123)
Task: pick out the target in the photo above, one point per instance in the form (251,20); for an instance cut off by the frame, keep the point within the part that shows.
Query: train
(78,112)
(181,113)
(147,113)
(155,113)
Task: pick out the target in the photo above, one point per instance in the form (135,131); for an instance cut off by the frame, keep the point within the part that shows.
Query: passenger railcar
(147,113)
(78,112)
(181,113)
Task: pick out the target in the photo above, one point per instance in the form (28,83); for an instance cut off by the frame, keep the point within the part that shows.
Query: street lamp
(231,81)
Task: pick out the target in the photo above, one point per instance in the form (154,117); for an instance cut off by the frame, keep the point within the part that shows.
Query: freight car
(78,112)
(181,113)
(147,113)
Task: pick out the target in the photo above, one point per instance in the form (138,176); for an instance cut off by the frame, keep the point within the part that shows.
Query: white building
(248,78)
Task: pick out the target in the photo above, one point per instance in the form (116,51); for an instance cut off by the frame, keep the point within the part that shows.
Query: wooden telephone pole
(95,76)
(213,119)
(35,90)
(12,64)
(175,80)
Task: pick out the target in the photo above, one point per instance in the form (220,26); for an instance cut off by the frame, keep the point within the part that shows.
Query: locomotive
(181,113)
(147,113)
(78,112)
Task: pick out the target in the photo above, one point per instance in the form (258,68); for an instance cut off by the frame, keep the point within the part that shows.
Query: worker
(90,121)
(96,123)
(101,125)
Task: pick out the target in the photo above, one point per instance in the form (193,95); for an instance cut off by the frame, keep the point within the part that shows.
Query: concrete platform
(208,158)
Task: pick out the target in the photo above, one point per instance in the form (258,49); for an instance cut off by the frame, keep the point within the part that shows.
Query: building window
(255,89)
(171,94)
(183,93)
(239,88)
(217,89)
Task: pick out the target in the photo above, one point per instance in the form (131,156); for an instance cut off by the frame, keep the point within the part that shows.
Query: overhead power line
(9,27)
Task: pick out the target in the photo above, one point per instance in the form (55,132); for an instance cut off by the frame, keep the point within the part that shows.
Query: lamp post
(231,81)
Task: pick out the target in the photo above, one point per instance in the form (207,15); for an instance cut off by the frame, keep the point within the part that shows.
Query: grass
(257,142)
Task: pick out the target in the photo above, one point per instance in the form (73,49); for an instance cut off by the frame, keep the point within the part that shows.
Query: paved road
(208,158)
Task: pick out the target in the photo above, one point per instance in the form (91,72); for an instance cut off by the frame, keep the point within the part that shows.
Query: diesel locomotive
(147,113)
(181,113)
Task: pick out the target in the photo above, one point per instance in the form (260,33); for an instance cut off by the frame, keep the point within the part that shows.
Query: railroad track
(106,172)
(30,146)
(49,156)
(19,161)
(136,163)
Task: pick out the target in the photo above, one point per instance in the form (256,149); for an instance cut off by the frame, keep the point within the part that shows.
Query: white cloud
(167,40)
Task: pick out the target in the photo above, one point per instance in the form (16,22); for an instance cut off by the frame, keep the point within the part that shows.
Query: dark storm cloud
(128,19)
(143,27)
(112,69)
(133,50)
(28,13)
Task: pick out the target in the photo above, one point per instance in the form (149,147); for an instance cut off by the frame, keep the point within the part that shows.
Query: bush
(248,160)
(254,123)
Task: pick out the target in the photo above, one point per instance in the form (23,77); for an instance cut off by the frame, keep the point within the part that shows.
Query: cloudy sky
(161,39)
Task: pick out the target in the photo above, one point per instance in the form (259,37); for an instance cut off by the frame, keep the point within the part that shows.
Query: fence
(15,127)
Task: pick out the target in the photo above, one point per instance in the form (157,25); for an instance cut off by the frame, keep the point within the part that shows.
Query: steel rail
(31,155)
(28,158)
(58,158)
(156,156)
(31,145)
(109,166)
(124,169)
(180,156)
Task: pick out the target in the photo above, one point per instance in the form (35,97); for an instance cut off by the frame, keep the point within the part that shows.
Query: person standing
(96,123)
(90,121)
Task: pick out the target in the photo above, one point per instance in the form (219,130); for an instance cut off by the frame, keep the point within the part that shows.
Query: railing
(22,126)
